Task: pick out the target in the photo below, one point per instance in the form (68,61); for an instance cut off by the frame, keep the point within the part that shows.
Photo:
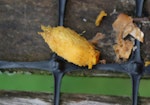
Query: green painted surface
(26,82)
(85,85)
(97,85)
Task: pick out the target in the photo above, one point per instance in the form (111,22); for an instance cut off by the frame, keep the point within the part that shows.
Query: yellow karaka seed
(70,45)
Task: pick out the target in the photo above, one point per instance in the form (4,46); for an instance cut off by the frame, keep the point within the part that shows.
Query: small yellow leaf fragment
(100,17)
(147,63)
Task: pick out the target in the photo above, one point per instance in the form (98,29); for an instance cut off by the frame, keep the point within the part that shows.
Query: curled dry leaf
(123,49)
(121,22)
(70,45)
(133,30)
(124,26)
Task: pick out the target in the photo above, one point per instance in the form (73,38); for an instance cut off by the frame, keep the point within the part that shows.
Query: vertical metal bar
(135,88)
(57,85)
(58,74)
(137,56)
(137,59)
(62,4)
(139,8)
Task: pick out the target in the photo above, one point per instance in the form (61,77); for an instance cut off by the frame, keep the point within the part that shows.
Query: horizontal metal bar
(43,65)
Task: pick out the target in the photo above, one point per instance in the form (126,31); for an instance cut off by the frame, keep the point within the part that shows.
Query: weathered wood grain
(20,21)
(31,98)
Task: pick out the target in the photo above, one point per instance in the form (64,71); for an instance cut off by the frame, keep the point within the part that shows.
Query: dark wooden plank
(31,98)
(20,21)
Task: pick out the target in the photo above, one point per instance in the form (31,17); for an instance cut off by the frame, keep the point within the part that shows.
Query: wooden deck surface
(21,20)
(30,98)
